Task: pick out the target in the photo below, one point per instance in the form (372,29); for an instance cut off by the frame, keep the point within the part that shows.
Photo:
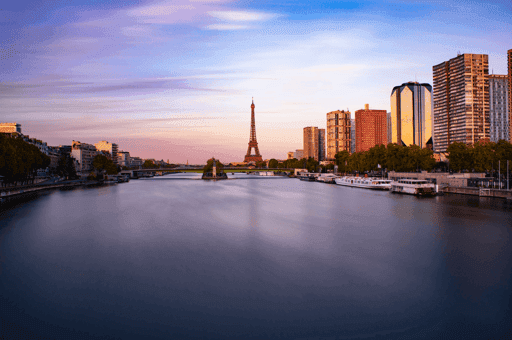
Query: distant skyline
(174,79)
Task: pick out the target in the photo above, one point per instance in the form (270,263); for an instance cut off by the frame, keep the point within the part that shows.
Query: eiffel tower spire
(253,143)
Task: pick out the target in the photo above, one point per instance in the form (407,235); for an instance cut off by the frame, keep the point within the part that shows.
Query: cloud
(242,15)
(227,27)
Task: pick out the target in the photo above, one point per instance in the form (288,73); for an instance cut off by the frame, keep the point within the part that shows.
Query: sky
(174,80)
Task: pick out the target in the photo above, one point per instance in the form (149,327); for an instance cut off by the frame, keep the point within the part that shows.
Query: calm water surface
(253,258)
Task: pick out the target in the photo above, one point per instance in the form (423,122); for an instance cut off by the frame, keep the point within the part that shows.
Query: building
(299,154)
(136,162)
(123,158)
(290,155)
(111,148)
(498,107)
(371,128)
(321,145)
(83,154)
(338,132)
(314,143)
(510,95)
(352,135)
(390,135)
(10,128)
(461,100)
(411,114)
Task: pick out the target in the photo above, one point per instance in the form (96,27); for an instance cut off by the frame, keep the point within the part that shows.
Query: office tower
(352,135)
(411,114)
(321,145)
(498,107)
(461,100)
(314,143)
(111,148)
(389,127)
(371,128)
(510,95)
(338,132)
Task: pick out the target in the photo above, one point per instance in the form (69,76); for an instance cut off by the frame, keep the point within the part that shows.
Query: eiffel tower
(252,141)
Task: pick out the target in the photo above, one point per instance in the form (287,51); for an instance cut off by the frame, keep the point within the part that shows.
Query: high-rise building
(289,155)
(498,107)
(510,95)
(310,142)
(314,143)
(411,114)
(390,135)
(299,154)
(461,100)
(338,133)
(10,128)
(111,148)
(371,128)
(321,145)
(352,135)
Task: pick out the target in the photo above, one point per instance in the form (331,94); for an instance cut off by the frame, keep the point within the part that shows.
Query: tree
(273,163)
(209,166)
(20,160)
(148,164)
(66,167)
(341,160)
(460,156)
(101,162)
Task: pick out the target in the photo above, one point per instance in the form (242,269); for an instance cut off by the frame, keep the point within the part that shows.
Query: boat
(326,178)
(416,187)
(307,177)
(364,182)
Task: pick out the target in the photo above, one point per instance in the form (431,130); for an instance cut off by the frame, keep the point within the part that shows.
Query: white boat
(326,178)
(413,187)
(366,183)
(266,173)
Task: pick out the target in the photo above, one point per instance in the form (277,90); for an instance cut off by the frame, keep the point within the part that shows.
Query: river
(175,257)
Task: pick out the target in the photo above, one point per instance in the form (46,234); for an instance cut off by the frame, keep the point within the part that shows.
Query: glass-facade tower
(411,114)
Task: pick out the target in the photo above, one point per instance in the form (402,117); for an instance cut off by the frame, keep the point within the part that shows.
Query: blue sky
(174,79)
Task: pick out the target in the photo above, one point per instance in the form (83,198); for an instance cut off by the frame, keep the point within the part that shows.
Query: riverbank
(27,189)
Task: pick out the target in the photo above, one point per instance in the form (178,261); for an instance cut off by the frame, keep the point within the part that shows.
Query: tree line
(391,157)
(481,157)
(19,160)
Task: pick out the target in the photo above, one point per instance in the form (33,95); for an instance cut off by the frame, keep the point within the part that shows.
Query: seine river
(253,258)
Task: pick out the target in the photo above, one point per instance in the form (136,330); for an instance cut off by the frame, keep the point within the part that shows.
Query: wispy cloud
(227,27)
(242,15)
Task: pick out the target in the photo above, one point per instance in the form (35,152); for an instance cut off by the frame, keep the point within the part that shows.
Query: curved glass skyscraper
(411,114)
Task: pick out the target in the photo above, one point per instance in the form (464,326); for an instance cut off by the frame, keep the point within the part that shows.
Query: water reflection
(178,257)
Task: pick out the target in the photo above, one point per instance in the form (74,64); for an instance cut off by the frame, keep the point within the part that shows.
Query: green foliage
(341,160)
(19,160)
(66,167)
(148,164)
(483,156)
(273,163)
(209,166)
(393,157)
(101,162)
